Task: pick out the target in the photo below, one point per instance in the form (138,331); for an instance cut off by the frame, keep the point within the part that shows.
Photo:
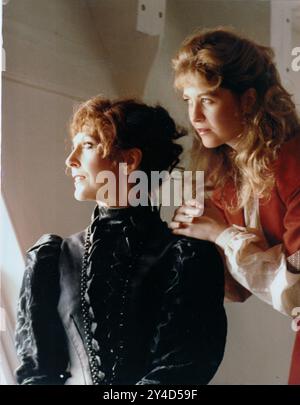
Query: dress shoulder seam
(46,239)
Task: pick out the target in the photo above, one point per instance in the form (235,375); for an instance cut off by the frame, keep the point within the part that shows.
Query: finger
(174,225)
(183,218)
(184,231)
(182,209)
(194,203)
(186,210)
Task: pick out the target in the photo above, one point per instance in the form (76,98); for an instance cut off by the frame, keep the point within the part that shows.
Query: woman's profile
(123,301)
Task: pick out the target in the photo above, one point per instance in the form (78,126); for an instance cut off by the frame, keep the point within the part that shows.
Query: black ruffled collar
(135,216)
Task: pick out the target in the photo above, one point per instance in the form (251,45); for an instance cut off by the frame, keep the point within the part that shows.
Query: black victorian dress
(123,302)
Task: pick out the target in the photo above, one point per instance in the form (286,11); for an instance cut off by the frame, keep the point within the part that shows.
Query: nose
(72,160)
(196,113)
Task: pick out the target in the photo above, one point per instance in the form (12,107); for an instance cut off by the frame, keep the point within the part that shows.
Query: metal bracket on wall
(151,16)
(3,56)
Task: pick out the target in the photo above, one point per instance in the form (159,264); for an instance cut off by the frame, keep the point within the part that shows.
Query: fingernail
(196,211)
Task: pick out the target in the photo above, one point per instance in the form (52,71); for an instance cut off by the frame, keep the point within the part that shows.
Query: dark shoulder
(42,258)
(47,240)
(195,250)
(76,239)
(181,245)
(73,247)
(194,267)
(188,251)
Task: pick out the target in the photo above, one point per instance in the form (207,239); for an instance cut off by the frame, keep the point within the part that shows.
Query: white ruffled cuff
(228,234)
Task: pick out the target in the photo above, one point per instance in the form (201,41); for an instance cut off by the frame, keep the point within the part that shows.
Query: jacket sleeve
(288,188)
(40,337)
(272,273)
(190,336)
(234,291)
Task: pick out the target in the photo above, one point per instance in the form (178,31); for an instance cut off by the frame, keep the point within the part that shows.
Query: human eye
(207,101)
(187,100)
(88,144)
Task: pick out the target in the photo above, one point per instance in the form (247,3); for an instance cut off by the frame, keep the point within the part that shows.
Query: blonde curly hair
(225,59)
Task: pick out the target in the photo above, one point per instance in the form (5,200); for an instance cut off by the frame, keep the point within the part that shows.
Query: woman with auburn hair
(120,303)
(247,140)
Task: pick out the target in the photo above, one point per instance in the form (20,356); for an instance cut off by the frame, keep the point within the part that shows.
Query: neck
(235,142)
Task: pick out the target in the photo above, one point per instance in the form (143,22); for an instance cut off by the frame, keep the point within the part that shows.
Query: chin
(79,197)
(82,196)
(210,141)
(211,144)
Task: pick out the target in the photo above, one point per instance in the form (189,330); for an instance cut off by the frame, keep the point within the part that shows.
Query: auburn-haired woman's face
(86,163)
(215,115)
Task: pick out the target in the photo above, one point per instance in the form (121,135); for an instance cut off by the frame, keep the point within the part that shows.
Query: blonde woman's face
(215,115)
(86,163)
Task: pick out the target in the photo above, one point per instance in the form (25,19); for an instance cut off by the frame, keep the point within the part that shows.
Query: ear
(132,157)
(248,100)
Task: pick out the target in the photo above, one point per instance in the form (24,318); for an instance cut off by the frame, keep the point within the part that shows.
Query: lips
(78,178)
(203,131)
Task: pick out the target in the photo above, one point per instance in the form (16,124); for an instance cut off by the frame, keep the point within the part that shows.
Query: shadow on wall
(131,54)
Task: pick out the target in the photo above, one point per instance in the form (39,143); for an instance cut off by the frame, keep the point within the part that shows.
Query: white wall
(62,51)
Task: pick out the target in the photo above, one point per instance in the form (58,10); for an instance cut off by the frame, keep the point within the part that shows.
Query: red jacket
(279,217)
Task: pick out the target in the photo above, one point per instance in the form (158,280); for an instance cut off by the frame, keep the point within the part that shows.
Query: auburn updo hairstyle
(127,123)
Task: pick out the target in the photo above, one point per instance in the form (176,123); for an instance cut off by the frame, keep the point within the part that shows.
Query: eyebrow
(83,135)
(206,93)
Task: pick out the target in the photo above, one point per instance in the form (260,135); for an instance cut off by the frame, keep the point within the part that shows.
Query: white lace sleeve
(266,272)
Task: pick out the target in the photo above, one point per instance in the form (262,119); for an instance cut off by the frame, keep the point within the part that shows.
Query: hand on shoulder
(196,221)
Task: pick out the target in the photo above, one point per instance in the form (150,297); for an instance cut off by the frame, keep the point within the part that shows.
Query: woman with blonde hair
(248,143)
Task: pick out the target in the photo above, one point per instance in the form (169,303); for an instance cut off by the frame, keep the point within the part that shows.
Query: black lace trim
(105,288)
